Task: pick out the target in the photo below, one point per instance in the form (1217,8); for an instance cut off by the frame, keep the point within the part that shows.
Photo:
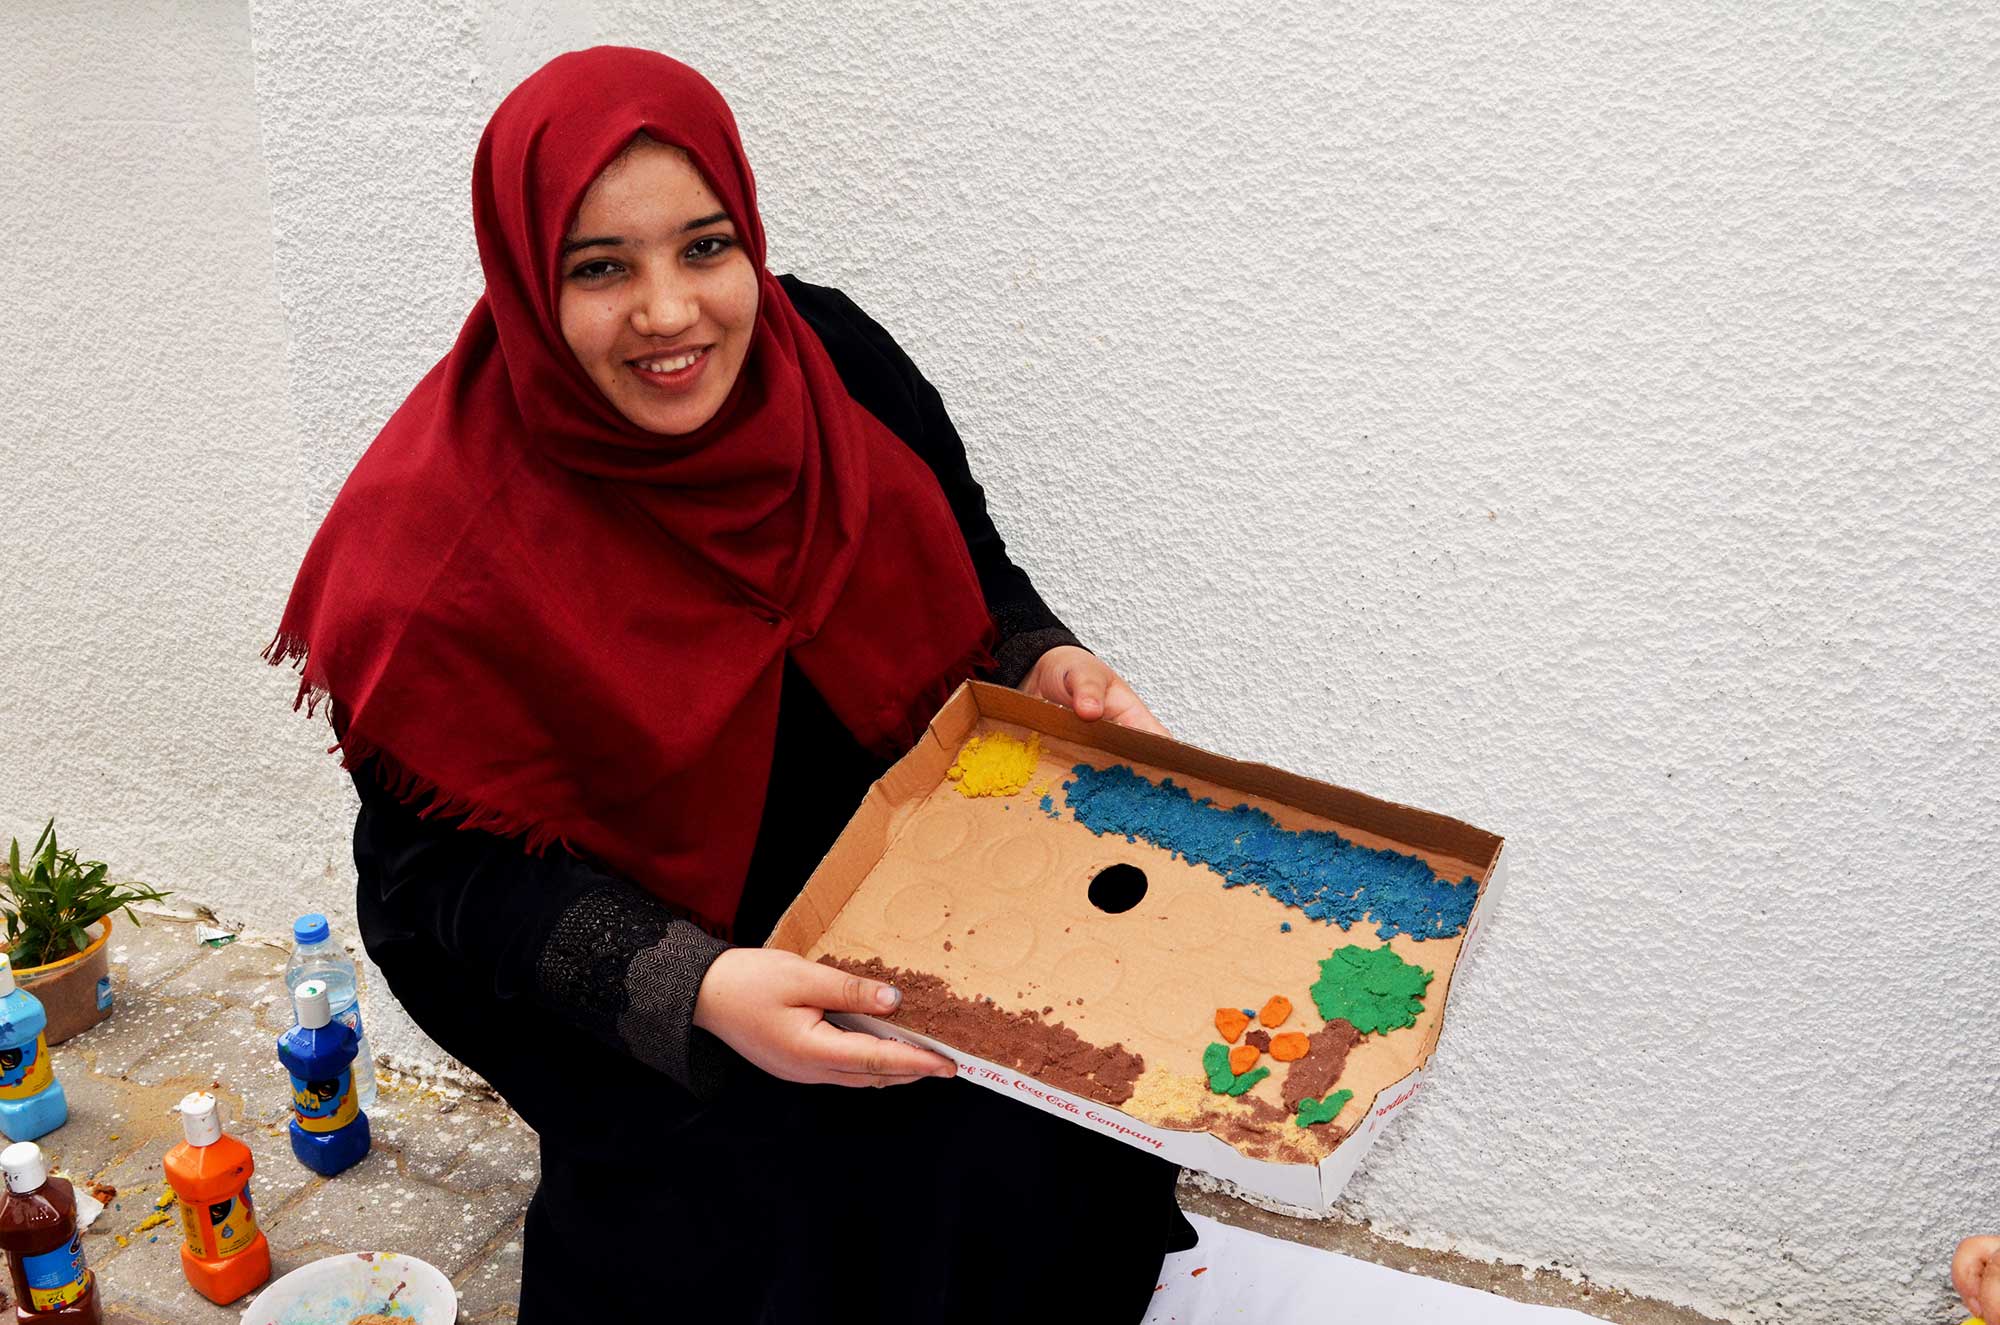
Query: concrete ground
(448,1178)
(450,1173)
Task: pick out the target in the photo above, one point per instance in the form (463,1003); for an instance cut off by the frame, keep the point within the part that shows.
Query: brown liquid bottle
(43,1244)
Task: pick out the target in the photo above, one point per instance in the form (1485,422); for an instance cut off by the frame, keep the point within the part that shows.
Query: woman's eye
(709,246)
(592,270)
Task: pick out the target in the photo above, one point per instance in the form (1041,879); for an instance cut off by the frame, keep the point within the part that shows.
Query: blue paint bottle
(32,1102)
(329,1130)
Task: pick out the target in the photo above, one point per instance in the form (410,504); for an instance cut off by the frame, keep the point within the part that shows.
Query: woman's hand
(1081,680)
(1975,1273)
(767,1005)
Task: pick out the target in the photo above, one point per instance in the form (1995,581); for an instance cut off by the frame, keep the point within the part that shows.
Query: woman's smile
(677,372)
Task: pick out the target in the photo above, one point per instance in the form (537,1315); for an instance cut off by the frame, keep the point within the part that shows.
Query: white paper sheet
(1246,1276)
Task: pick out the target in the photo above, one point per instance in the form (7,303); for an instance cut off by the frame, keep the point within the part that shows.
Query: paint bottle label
(327,1105)
(24,1069)
(56,1278)
(232,1224)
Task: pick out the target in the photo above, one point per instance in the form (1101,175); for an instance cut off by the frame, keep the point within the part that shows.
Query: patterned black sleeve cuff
(1016,655)
(1027,630)
(630,973)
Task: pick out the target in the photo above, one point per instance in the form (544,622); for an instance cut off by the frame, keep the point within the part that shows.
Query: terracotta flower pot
(75,990)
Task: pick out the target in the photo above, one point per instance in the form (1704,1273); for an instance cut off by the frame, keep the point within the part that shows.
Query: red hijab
(559,625)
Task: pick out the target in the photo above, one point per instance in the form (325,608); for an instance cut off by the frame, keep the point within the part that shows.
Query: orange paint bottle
(223,1252)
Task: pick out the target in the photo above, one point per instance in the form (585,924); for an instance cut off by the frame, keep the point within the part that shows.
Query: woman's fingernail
(887,996)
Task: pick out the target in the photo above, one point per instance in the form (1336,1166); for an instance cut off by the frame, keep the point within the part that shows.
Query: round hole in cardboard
(1118,888)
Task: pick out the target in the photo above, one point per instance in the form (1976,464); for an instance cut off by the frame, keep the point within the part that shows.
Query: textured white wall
(1568,418)
(152,494)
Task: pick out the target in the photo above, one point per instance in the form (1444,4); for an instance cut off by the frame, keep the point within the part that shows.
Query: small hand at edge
(1084,683)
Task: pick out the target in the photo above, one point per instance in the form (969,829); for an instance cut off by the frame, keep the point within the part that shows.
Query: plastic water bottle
(316,956)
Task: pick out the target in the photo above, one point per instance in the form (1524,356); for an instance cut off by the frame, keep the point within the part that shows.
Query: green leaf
(1215,1062)
(1223,1081)
(1313,1112)
(51,905)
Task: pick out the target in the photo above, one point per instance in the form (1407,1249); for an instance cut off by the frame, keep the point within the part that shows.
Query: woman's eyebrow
(612,241)
(701,221)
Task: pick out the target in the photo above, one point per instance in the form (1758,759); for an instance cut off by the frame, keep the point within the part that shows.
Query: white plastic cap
(25,1166)
(7,985)
(309,999)
(200,1120)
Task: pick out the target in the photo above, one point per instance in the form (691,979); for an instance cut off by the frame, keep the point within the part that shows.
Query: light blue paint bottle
(32,1102)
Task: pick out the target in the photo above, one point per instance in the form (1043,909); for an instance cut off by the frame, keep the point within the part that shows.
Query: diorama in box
(1235,967)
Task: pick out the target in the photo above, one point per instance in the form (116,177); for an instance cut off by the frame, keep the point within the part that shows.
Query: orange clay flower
(1289,1046)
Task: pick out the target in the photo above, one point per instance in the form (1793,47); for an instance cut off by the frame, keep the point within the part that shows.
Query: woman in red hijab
(660,567)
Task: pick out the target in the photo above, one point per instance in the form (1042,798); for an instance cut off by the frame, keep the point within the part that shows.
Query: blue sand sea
(1316,870)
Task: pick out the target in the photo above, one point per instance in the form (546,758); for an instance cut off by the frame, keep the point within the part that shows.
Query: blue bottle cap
(310,928)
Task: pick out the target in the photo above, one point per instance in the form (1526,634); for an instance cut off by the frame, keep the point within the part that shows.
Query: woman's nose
(667,308)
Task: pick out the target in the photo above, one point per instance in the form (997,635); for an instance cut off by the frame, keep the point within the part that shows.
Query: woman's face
(658,296)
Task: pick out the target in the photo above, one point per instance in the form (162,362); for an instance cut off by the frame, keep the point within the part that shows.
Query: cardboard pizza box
(1031,955)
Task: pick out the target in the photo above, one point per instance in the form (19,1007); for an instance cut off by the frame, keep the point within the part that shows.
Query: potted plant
(58,914)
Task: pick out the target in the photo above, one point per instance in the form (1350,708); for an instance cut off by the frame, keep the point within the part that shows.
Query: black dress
(678,1181)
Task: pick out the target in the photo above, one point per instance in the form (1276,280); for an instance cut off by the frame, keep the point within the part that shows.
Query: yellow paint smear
(995,764)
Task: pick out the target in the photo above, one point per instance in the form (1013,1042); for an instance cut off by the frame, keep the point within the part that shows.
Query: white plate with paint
(335,1290)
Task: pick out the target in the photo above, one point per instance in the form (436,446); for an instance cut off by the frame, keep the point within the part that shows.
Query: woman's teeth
(673,365)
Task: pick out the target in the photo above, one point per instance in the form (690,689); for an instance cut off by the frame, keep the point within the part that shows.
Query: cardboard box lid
(991,895)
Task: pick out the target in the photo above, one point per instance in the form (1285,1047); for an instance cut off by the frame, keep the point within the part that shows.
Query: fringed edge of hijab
(409,787)
(904,731)
(425,797)
(429,800)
